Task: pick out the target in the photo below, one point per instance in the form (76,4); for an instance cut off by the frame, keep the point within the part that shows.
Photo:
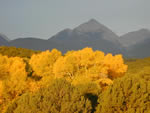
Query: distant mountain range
(89,34)
(137,43)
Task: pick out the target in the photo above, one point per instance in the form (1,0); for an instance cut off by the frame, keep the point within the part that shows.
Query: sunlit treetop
(42,63)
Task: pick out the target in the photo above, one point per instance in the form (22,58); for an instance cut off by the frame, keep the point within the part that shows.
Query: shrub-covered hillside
(20,52)
(83,81)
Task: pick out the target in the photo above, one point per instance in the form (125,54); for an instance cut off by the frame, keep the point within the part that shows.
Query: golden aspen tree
(90,62)
(42,63)
(89,65)
(97,70)
(74,62)
(13,79)
(15,84)
(4,66)
(115,64)
(98,57)
(95,65)
(1,91)
(65,66)
(84,57)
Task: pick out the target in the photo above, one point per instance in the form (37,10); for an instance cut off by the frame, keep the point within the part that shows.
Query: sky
(45,18)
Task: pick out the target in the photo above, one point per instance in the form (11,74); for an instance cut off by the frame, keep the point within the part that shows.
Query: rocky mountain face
(89,34)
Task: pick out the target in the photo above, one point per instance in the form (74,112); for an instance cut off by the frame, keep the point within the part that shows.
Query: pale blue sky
(44,18)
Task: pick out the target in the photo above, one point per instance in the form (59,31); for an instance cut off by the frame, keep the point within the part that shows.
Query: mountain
(3,40)
(140,50)
(30,43)
(137,43)
(135,37)
(91,34)
(93,26)
(35,44)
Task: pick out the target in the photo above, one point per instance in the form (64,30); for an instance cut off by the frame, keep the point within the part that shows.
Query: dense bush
(58,97)
(130,94)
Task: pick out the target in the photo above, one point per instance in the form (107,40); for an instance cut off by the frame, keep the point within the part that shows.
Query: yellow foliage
(42,63)
(78,67)
(88,65)
(33,86)
(81,80)
(115,64)
(16,83)
(65,66)
(85,57)
(44,82)
(17,67)
(97,72)
(4,66)
(12,79)
(104,82)
(1,91)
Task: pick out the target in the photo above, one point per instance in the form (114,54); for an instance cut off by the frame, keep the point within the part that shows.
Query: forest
(81,81)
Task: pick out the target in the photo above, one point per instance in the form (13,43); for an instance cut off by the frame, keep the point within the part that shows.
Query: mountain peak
(90,26)
(144,30)
(93,21)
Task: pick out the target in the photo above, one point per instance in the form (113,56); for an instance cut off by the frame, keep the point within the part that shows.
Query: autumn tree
(88,65)
(42,63)
(4,66)
(16,82)
(115,64)
(13,78)
(65,66)
(78,62)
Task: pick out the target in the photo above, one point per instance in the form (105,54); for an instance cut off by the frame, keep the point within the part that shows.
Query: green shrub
(91,92)
(130,94)
(17,52)
(59,97)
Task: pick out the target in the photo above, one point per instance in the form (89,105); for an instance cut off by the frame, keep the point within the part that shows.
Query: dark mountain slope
(3,40)
(137,43)
(140,50)
(91,34)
